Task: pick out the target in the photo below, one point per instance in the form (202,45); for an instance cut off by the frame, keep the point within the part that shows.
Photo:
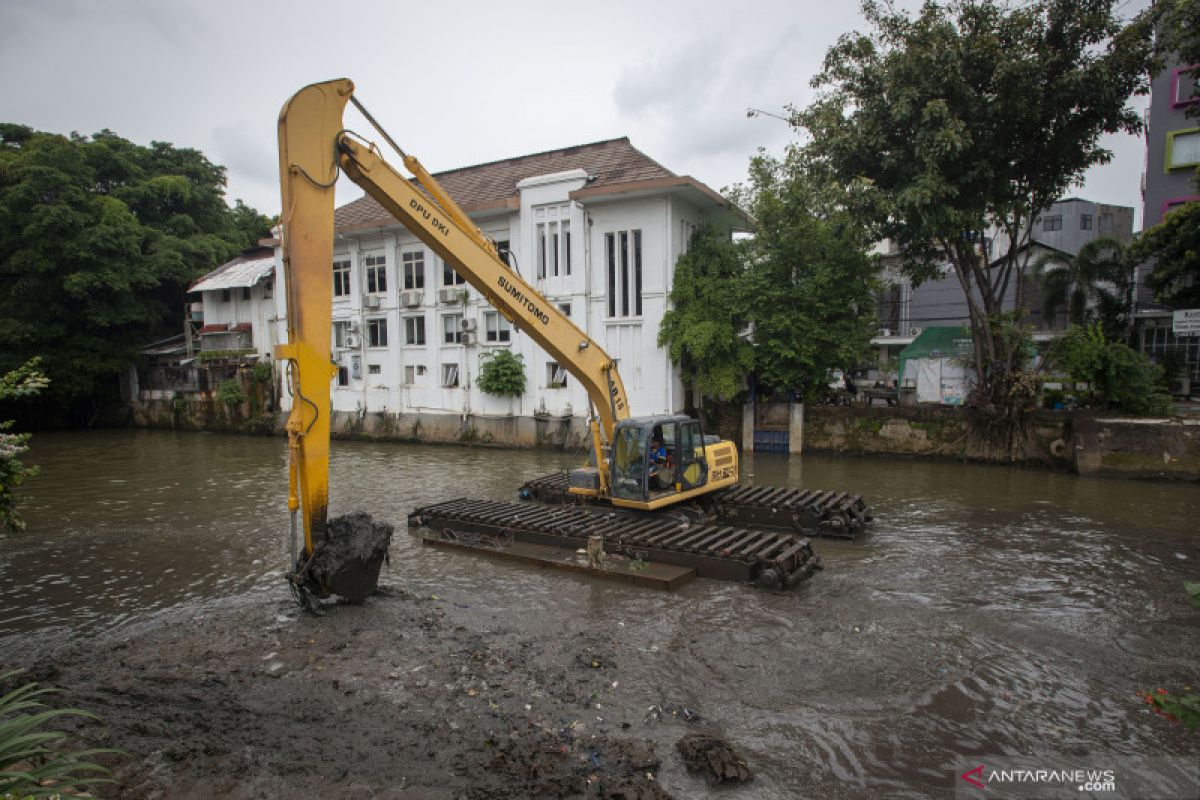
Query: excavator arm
(313,147)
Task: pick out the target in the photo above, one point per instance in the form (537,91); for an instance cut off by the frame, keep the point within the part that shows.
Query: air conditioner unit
(352,341)
(411,298)
(466,338)
(914,331)
(449,296)
(885,331)
(370,301)
(469,324)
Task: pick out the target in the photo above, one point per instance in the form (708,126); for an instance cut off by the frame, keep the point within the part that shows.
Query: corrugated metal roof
(245,270)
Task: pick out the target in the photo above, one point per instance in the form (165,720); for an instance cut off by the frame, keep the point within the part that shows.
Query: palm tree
(1097,283)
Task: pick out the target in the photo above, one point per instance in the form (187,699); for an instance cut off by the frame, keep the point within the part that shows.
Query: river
(989,610)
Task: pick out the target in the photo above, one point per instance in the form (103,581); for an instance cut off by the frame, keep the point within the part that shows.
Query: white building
(238,305)
(595,228)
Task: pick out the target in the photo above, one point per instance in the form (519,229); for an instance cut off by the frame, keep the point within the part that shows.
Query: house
(596,228)
(237,307)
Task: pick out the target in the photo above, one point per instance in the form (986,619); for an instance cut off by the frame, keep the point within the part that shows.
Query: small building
(935,365)
(237,307)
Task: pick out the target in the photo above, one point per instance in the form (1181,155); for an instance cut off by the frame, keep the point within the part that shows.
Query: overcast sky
(455,83)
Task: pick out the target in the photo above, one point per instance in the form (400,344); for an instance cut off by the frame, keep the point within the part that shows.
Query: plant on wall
(501,374)
(230,392)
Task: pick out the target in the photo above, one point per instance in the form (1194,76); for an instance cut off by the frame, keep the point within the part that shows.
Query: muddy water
(989,611)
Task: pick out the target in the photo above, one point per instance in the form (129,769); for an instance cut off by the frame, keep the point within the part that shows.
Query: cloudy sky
(455,83)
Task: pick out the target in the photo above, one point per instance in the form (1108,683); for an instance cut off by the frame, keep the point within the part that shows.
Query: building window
(413,374)
(225,296)
(414,330)
(495,327)
(503,250)
(451,328)
(623,258)
(1053,223)
(341,278)
(686,231)
(1172,203)
(556,376)
(343,376)
(268,290)
(1183,148)
(449,375)
(1085,222)
(1183,86)
(450,277)
(374,369)
(341,334)
(554,248)
(414,269)
(376,267)
(245,292)
(565,308)
(1106,223)
(377,332)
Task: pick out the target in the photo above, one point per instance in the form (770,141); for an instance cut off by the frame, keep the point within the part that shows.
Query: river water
(989,610)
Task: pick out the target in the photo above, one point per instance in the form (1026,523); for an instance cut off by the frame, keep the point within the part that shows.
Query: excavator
(637,464)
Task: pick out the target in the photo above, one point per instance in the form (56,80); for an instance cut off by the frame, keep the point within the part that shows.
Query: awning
(237,274)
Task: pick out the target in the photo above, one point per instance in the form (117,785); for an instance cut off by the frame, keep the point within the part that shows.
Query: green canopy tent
(935,363)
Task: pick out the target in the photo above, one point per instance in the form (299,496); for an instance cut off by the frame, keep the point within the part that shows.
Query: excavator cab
(656,458)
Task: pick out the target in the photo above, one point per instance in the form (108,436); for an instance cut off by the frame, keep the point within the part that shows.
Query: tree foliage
(1179,36)
(501,374)
(25,381)
(975,115)
(703,330)
(99,239)
(1097,281)
(1119,377)
(1174,247)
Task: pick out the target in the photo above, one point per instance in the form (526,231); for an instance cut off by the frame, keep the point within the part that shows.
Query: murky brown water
(989,611)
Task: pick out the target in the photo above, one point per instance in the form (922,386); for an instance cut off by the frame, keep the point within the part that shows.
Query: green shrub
(501,374)
(230,392)
(261,373)
(29,766)
(1120,378)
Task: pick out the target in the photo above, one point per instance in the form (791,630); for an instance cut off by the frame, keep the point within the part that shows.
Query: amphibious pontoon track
(837,515)
(772,559)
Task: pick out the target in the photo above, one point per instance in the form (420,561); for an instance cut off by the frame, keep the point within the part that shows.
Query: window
(268,290)
(414,269)
(503,250)
(341,277)
(245,292)
(374,369)
(495,327)
(377,332)
(225,296)
(565,308)
(623,257)
(553,235)
(341,334)
(451,328)
(376,267)
(1085,222)
(413,374)
(343,376)
(450,277)
(1183,148)
(1183,86)
(1106,223)
(1053,223)
(449,375)
(556,376)
(414,330)
(686,231)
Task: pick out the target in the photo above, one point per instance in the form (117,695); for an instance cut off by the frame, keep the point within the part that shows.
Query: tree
(810,283)
(99,239)
(1174,246)
(1118,377)
(25,381)
(1096,281)
(501,374)
(704,327)
(972,116)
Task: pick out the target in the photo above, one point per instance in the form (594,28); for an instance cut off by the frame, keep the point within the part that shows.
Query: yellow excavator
(643,463)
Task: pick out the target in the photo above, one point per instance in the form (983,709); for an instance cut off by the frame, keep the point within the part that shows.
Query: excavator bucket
(347,563)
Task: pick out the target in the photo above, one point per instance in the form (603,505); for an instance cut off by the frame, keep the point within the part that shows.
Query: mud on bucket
(348,562)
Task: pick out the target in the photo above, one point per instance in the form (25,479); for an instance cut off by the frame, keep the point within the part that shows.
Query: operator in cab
(658,458)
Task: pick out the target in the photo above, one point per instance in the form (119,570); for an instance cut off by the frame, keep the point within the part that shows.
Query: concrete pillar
(748,427)
(796,429)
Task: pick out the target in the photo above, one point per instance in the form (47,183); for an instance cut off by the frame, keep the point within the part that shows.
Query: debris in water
(713,756)
(348,561)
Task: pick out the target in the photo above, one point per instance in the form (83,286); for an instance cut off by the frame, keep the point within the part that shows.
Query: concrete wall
(1138,448)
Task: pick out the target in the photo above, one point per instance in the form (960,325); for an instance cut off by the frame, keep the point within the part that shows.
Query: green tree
(971,116)
(1174,247)
(25,381)
(1098,281)
(501,374)
(704,327)
(99,239)
(810,283)
(1118,377)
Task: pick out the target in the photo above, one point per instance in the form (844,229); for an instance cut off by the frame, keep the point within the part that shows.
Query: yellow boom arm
(313,146)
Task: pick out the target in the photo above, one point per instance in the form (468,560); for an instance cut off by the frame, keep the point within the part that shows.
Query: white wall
(259,311)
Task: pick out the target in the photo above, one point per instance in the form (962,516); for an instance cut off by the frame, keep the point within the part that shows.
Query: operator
(658,457)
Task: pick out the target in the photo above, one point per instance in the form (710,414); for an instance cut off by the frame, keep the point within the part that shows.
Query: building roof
(246,270)
(615,164)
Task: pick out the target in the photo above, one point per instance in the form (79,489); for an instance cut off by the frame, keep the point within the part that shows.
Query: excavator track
(834,515)
(771,559)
